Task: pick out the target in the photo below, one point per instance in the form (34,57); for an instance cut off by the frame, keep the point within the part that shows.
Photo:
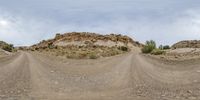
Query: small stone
(2,96)
(56,82)
(163,95)
(198,71)
(52,71)
(192,98)
(195,81)
(18,91)
(189,91)
(11,91)
(177,97)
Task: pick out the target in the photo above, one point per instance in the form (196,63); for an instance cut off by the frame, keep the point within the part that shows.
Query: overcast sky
(25,22)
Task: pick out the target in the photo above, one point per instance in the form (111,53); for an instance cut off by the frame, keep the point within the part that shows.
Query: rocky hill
(5,46)
(86,45)
(187,44)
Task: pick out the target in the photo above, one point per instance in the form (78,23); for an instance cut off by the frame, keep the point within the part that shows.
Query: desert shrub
(8,48)
(123,48)
(50,45)
(161,47)
(149,46)
(166,47)
(158,52)
(93,56)
(82,55)
(73,56)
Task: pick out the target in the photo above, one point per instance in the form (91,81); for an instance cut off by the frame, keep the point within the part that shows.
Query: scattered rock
(192,98)
(195,81)
(163,95)
(56,82)
(2,96)
(189,91)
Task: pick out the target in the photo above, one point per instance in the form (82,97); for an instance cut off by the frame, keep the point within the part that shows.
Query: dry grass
(82,52)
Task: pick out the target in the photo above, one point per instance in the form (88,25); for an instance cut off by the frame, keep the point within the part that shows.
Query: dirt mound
(86,45)
(187,44)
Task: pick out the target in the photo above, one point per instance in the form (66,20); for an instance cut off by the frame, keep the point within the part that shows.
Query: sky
(26,22)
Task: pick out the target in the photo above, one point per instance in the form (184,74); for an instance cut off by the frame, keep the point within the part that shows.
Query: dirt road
(132,76)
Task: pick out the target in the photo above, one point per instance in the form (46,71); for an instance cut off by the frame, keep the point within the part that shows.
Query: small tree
(149,46)
(166,47)
(161,47)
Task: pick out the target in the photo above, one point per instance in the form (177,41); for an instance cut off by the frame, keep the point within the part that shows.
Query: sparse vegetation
(93,56)
(158,52)
(166,47)
(80,45)
(149,46)
(81,52)
(161,47)
(123,48)
(7,47)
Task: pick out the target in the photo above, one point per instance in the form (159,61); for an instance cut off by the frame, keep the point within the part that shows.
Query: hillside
(86,45)
(187,44)
(5,46)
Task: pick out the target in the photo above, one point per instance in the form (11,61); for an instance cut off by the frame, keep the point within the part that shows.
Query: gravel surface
(132,76)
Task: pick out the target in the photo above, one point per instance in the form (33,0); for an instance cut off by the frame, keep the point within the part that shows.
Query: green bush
(166,47)
(149,46)
(50,45)
(93,56)
(161,47)
(158,52)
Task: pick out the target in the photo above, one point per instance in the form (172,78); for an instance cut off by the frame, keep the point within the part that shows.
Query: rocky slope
(5,48)
(86,45)
(3,44)
(187,44)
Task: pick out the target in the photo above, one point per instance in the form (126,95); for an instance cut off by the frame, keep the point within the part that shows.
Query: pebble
(11,91)
(56,82)
(189,91)
(195,81)
(177,97)
(2,96)
(18,91)
(192,98)
(198,71)
(163,95)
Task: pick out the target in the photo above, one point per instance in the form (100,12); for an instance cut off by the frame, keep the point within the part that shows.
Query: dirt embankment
(187,44)
(5,48)
(183,50)
(86,45)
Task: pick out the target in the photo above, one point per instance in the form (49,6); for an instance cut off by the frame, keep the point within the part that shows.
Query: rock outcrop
(86,45)
(88,39)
